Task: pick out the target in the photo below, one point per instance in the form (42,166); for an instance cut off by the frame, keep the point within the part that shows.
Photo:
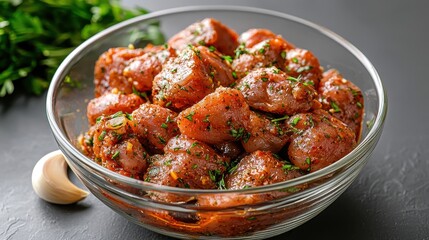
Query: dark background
(389,200)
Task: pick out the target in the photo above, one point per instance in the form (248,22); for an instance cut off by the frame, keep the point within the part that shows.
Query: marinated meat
(154,126)
(208,32)
(261,168)
(342,99)
(318,139)
(302,64)
(271,90)
(219,117)
(183,81)
(110,103)
(266,134)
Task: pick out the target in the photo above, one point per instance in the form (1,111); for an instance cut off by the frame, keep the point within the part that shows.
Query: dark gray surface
(389,200)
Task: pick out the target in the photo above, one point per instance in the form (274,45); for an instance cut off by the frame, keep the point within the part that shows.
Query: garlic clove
(51,183)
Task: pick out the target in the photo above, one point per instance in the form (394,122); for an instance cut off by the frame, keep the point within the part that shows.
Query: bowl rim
(347,160)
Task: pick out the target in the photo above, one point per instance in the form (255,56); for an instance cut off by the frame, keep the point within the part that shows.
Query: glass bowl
(233,214)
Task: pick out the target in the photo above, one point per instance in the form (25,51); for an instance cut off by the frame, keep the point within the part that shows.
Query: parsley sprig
(35,37)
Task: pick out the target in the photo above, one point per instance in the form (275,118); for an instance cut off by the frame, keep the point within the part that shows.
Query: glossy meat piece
(303,64)
(154,126)
(342,99)
(254,36)
(110,103)
(186,163)
(208,32)
(260,168)
(230,150)
(219,117)
(268,53)
(218,69)
(318,140)
(142,70)
(271,90)
(266,134)
(109,68)
(183,81)
(116,148)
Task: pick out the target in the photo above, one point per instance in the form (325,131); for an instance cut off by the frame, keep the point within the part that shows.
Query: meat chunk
(318,140)
(266,134)
(217,69)
(109,68)
(342,99)
(254,36)
(183,81)
(116,148)
(261,168)
(154,126)
(230,150)
(220,117)
(268,53)
(271,90)
(141,71)
(186,163)
(110,103)
(301,63)
(208,32)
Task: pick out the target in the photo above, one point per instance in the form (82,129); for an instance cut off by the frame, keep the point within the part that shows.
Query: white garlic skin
(51,183)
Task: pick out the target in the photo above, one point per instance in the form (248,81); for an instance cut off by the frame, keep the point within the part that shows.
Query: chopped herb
(163,125)
(283,54)
(194,166)
(293,79)
(335,107)
(234,75)
(168,120)
(280,119)
(129,116)
(98,120)
(308,83)
(227,58)
(308,161)
(305,68)
(276,71)
(202,43)
(295,121)
(115,155)
(117,114)
(251,218)
(89,142)
(174,70)
(247,187)
(177,149)
(310,121)
(168,162)
(188,151)
(194,144)
(264,47)
(289,167)
(212,48)
(240,50)
(233,84)
(295,60)
(359,104)
(221,183)
(168,104)
(161,139)
(190,115)
(206,119)
(102,135)
(264,79)
(141,94)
